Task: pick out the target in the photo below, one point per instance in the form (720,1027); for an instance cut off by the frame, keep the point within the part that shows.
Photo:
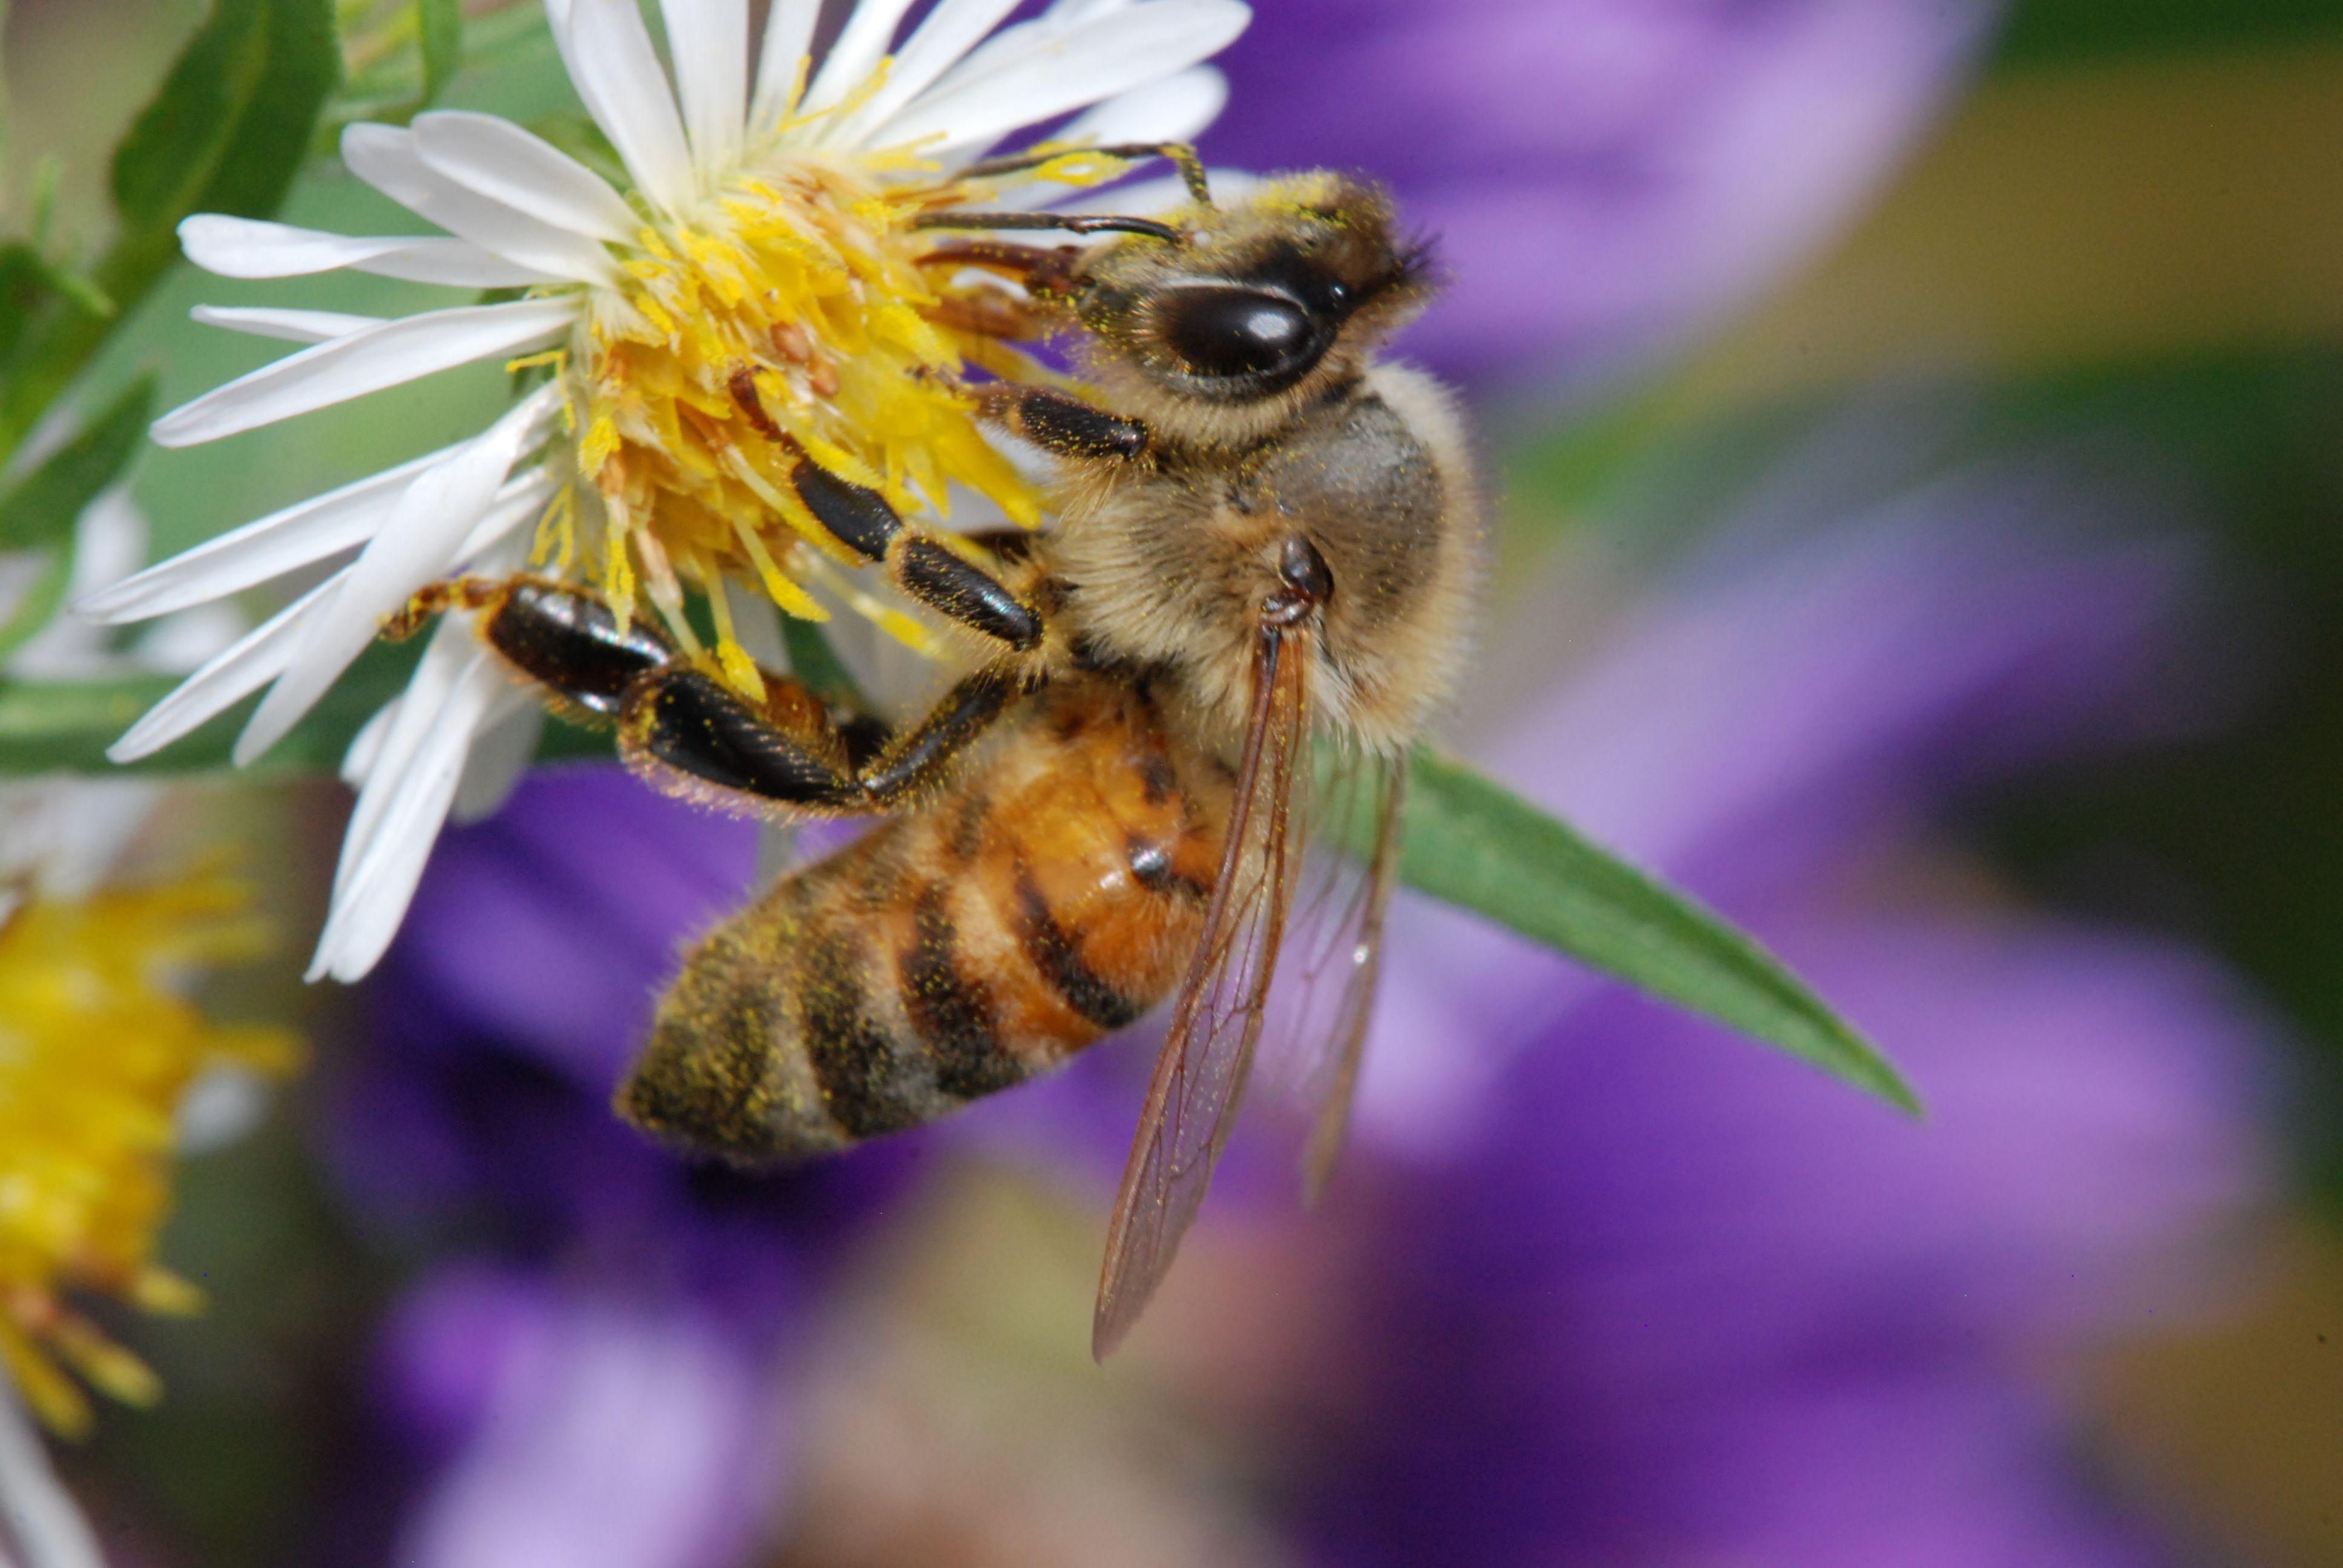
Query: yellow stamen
(786,319)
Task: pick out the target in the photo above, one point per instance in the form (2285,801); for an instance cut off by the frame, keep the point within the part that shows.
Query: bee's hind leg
(565,640)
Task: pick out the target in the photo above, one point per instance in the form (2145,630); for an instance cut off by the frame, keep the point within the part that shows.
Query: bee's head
(1257,306)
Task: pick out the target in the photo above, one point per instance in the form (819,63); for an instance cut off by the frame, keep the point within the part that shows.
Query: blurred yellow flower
(97,1049)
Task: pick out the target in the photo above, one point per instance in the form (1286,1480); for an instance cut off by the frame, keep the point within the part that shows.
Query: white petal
(522,500)
(500,757)
(388,356)
(385,741)
(1175,109)
(617,75)
(231,676)
(411,717)
(860,45)
(183,642)
(291,326)
(42,1520)
(368,910)
(1083,10)
(415,545)
(366,746)
(708,40)
(248,247)
(495,158)
(943,39)
(1039,70)
(268,547)
(387,157)
(788,34)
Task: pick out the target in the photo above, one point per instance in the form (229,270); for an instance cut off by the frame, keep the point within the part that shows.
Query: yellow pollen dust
(96,1051)
(790,322)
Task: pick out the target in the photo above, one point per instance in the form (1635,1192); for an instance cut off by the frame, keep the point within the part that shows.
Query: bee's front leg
(863,520)
(1059,422)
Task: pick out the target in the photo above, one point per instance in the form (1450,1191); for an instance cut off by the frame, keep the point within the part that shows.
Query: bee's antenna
(1181,154)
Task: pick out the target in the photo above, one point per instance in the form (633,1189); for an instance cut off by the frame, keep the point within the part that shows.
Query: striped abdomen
(1052,896)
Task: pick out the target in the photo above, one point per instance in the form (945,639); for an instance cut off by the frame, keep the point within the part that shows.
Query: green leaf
(66,726)
(39,510)
(440,35)
(226,132)
(2058,33)
(40,603)
(1472,842)
(25,287)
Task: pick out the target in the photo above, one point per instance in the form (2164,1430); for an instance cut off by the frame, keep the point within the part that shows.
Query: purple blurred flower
(1650,1297)
(587,1427)
(1603,175)
(1680,1302)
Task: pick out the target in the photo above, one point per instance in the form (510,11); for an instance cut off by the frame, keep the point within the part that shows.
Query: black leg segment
(700,729)
(1061,423)
(967,593)
(964,716)
(696,736)
(860,516)
(863,520)
(570,642)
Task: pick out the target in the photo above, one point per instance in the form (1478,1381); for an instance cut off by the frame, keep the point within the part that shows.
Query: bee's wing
(1334,947)
(1201,1072)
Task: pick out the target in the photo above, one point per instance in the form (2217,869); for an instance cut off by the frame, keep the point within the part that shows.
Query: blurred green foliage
(2059,33)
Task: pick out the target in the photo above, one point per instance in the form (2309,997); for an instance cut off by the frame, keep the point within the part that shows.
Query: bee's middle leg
(693,736)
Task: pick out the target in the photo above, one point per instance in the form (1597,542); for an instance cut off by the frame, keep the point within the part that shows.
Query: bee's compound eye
(1224,333)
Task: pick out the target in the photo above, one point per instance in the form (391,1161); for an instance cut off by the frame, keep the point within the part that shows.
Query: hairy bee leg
(693,736)
(1060,422)
(696,736)
(1182,157)
(920,758)
(862,520)
(568,641)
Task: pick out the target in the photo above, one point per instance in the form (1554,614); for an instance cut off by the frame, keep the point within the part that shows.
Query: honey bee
(1266,537)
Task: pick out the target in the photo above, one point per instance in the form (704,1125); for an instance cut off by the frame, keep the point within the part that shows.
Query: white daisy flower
(769,226)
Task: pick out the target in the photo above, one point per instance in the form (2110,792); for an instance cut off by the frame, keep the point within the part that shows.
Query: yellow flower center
(96,1051)
(789,320)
